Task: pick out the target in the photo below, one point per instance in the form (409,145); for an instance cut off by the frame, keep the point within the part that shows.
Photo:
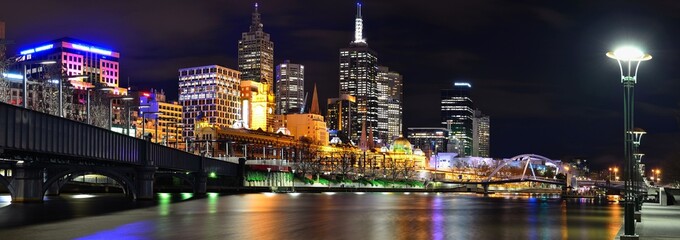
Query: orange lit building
(257,106)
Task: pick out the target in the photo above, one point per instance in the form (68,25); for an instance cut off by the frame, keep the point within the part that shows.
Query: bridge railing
(27,131)
(170,158)
(220,167)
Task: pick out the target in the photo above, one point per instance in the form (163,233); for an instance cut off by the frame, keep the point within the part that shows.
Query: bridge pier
(241,173)
(27,183)
(144,181)
(52,190)
(200,183)
(486,189)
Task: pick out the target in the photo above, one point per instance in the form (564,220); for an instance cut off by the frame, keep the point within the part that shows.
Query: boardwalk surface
(658,222)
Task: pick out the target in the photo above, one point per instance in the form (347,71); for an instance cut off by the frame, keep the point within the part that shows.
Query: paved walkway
(658,222)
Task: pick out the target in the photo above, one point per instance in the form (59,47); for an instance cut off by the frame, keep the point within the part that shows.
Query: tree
(305,155)
(99,109)
(5,93)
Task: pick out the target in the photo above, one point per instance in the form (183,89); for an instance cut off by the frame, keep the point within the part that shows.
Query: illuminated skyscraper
(341,118)
(256,53)
(389,104)
(457,114)
(78,58)
(481,125)
(211,92)
(290,87)
(429,140)
(358,78)
(88,65)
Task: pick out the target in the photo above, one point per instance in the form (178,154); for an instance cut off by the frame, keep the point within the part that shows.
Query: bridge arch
(5,182)
(61,178)
(528,161)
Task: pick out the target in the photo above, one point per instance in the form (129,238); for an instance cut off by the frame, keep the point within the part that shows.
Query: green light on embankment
(213,195)
(186,196)
(212,175)
(164,196)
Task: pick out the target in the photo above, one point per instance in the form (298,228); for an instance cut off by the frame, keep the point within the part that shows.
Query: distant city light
(90,49)
(461,84)
(38,49)
(13,76)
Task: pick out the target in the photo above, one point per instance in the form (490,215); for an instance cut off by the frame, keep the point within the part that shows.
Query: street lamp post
(629,59)
(637,138)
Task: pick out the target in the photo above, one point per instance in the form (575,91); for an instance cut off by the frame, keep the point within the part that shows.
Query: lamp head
(629,53)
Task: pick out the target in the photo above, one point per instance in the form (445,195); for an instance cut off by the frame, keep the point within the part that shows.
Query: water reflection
(345,216)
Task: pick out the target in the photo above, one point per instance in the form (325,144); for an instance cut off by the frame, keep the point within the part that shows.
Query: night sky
(538,68)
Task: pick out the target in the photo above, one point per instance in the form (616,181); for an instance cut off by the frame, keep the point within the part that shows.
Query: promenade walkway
(658,222)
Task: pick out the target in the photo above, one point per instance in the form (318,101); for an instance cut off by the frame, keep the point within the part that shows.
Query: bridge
(521,168)
(39,153)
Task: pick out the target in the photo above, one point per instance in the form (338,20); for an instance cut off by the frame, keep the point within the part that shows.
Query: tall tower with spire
(358,75)
(256,53)
(256,64)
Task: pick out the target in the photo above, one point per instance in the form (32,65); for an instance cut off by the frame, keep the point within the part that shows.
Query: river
(309,216)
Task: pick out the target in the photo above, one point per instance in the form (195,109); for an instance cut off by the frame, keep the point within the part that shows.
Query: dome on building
(284,131)
(401,145)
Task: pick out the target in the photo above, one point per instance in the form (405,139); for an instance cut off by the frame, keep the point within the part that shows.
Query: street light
(25,80)
(629,59)
(616,173)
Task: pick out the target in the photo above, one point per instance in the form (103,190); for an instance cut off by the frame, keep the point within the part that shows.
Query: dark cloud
(537,67)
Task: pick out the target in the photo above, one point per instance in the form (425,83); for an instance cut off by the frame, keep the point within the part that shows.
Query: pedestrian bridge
(41,152)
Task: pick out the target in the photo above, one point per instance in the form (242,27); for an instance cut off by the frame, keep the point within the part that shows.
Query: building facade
(383,95)
(457,113)
(389,104)
(160,121)
(212,92)
(481,133)
(256,53)
(307,125)
(429,140)
(92,64)
(290,87)
(341,117)
(358,78)
(257,106)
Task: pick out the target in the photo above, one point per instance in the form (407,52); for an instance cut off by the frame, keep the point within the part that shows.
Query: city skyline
(551,121)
